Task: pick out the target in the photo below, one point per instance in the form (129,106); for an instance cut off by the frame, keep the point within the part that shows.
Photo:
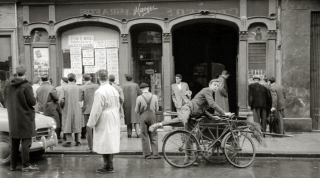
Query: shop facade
(153,41)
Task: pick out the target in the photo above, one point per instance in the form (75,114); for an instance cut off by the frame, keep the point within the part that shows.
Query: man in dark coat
(19,100)
(278,103)
(130,91)
(47,97)
(87,95)
(259,102)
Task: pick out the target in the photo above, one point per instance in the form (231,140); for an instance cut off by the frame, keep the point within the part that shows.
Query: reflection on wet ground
(53,166)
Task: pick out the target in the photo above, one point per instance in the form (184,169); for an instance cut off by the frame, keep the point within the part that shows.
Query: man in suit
(278,103)
(87,95)
(180,93)
(259,102)
(47,97)
(131,91)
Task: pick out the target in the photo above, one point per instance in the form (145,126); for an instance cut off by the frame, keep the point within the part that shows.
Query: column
(124,58)
(166,70)
(271,54)
(243,73)
(28,61)
(53,61)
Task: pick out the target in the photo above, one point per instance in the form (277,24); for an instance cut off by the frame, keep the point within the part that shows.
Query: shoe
(138,136)
(102,171)
(15,169)
(187,161)
(154,127)
(148,157)
(78,144)
(30,168)
(129,136)
(67,144)
(156,157)
(110,168)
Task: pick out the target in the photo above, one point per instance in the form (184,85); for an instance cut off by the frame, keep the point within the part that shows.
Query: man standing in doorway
(221,96)
(87,94)
(71,117)
(278,103)
(19,100)
(105,119)
(180,93)
(260,102)
(131,91)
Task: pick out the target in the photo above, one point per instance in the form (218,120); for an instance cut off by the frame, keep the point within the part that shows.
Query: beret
(143,85)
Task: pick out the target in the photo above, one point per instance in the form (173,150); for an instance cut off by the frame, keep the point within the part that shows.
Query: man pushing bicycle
(195,108)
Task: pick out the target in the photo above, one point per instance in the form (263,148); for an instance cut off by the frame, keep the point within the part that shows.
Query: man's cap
(225,72)
(128,76)
(21,70)
(103,73)
(86,76)
(143,85)
(112,77)
(71,76)
(178,75)
(44,76)
(256,77)
(65,79)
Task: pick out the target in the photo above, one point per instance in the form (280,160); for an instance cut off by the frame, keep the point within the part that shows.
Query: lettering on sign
(141,11)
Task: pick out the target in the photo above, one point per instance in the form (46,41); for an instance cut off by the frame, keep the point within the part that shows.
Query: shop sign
(149,71)
(81,41)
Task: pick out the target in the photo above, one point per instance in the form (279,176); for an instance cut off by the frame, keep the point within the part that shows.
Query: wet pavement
(304,144)
(54,166)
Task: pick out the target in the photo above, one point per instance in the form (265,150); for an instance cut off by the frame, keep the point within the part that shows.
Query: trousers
(129,128)
(148,138)
(260,116)
(25,148)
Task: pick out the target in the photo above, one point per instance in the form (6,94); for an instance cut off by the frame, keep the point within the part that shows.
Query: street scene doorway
(202,50)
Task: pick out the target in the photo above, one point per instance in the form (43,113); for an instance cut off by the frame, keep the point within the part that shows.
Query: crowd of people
(96,111)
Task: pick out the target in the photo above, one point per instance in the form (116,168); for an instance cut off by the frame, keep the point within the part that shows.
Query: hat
(44,77)
(256,77)
(112,77)
(65,79)
(143,85)
(128,76)
(86,76)
(21,70)
(103,74)
(178,75)
(71,77)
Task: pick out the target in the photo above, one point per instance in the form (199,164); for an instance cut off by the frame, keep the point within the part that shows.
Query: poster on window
(76,62)
(99,44)
(87,53)
(89,69)
(112,43)
(41,57)
(38,72)
(112,63)
(75,50)
(89,61)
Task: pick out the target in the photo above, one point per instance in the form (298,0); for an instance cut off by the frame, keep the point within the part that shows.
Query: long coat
(278,96)
(221,96)
(47,97)
(259,96)
(87,94)
(105,120)
(71,113)
(19,100)
(130,91)
(179,95)
(121,97)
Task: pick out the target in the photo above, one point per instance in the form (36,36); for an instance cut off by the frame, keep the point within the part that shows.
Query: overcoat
(259,96)
(121,97)
(130,92)
(47,97)
(105,120)
(278,96)
(19,101)
(221,96)
(87,95)
(71,112)
(179,95)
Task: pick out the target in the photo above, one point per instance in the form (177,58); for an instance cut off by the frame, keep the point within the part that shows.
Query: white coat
(105,120)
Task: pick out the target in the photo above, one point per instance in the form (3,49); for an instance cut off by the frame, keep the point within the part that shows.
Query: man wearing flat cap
(71,112)
(19,100)
(259,102)
(146,107)
(131,91)
(87,94)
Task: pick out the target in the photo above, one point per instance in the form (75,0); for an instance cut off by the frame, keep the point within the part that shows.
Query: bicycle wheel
(239,150)
(213,154)
(180,149)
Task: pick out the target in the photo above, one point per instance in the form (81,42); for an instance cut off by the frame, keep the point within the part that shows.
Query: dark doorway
(201,51)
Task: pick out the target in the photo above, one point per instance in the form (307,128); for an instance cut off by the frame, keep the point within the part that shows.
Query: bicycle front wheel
(239,150)
(180,149)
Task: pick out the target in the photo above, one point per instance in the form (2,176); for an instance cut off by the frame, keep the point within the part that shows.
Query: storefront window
(257,60)
(147,58)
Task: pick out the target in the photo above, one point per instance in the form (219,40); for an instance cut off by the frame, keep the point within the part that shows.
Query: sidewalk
(306,144)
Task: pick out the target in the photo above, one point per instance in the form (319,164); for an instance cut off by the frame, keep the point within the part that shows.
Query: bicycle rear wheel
(214,153)
(180,149)
(239,150)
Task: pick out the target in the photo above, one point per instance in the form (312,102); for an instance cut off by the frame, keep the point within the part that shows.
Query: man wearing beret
(71,112)
(146,106)
(194,108)
(19,99)
(131,91)
(259,102)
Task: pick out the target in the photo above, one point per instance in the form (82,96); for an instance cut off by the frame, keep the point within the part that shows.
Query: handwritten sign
(81,41)
(89,61)
(76,62)
(75,50)
(89,69)
(111,43)
(87,53)
(99,44)
(112,62)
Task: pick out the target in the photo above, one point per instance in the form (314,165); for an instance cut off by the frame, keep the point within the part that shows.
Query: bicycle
(234,142)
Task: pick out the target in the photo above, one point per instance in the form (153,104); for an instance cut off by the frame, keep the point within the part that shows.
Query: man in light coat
(105,121)
(221,96)
(64,82)
(47,97)
(87,94)
(71,112)
(278,103)
(180,93)
(19,99)
(131,91)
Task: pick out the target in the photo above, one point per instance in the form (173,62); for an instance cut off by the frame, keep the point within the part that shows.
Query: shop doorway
(202,51)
